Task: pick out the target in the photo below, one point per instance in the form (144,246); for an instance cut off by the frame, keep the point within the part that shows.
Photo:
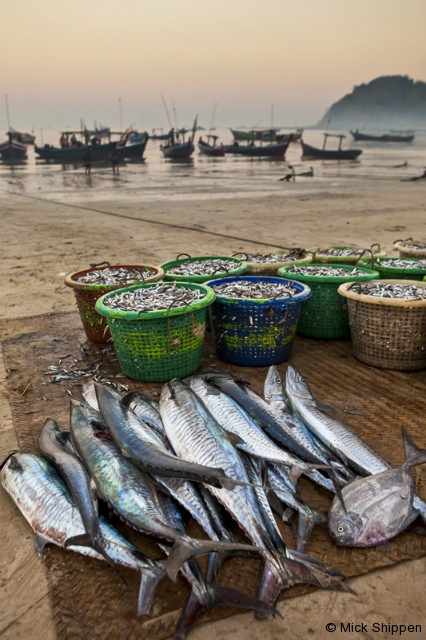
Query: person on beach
(87,158)
(115,161)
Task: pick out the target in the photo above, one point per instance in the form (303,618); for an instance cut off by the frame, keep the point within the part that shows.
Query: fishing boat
(159,136)
(261,151)
(25,138)
(136,150)
(330,154)
(12,149)
(72,150)
(210,148)
(388,137)
(265,135)
(176,148)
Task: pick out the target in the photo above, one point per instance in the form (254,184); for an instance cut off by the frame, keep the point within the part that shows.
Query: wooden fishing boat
(74,155)
(25,138)
(265,135)
(176,148)
(133,150)
(262,151)
(330,154)
(159,136)
(388,137)
(211,148)
(12,149)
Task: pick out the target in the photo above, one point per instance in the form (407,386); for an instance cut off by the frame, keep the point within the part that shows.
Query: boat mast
(7,110)
(119,109)
(167,111)
(213,116)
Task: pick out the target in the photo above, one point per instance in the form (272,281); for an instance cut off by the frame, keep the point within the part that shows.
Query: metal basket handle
(401,240)
(99,264)
(372,258)
(240,253)
(183,254)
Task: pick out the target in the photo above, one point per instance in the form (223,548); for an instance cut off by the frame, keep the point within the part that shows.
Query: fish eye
(340,529)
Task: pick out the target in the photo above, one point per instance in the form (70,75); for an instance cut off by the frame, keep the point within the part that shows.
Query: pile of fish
(162,296)
(339,252)
(211,448)
(380,289)
(116,275)
(414,245)
(260,290)
(332,272)
(208,267)
(400,263)
(266,258)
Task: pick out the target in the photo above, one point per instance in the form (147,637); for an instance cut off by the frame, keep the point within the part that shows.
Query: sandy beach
(45,235)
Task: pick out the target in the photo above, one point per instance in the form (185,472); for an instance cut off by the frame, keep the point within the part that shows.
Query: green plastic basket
(396,273)
(156,346)
(324,315)
(240,268)
(346,260)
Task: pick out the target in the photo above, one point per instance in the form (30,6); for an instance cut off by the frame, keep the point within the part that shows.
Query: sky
(63,60)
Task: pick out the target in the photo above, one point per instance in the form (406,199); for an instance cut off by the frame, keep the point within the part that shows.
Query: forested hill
(387,101)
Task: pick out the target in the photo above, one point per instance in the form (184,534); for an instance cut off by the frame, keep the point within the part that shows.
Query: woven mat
(88,598)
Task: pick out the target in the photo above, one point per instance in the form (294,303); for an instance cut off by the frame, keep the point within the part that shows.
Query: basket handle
(371,256)
(376,244)
(240,253)
(99,264)
(183,254)
(401,240)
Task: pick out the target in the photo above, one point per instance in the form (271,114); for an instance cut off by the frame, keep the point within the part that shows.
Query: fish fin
(125,454)
(127,399)
(217,596)
(40,543)
(234,438)
(212,391)
(418,526)
(295,472)
(413,454)
(324,407)
(287,517)
(309,573)
(307,559)
(83,540)
(308,519)
(187,548)
(148,584)
(339,493)
(94,489)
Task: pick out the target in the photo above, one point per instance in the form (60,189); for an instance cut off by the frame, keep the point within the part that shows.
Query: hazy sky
(62,60)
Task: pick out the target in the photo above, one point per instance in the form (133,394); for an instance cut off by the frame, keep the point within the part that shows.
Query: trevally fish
(136,440)
(196,435)
(129,491)
(378,507)
(53,445)
(46,503)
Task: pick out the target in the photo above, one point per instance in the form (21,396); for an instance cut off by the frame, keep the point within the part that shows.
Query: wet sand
(42,240)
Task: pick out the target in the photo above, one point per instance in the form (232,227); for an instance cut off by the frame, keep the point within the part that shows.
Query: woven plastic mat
(88,598)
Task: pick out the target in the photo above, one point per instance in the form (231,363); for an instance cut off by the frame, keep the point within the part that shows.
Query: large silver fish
(53,443)
(335,435)
(196,435)
(378,507)
(136,440)
(47,505)
(129,491)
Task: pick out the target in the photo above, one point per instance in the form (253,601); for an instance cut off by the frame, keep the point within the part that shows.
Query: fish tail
(149,580)
(187,548)
(216,596)
(413,454)
(308,519)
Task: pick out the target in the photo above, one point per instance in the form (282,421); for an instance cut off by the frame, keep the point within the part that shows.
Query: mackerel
(46,503)
(129,491)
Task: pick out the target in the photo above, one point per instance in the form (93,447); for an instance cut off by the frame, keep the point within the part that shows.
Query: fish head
(345,528)
(273,383)
(296,384)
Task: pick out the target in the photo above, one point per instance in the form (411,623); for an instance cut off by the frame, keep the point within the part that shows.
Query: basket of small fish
(400,268)
(267,264)
(202,268)
(90,284)
(410,248)
(157,329)
(324,315)
(388,322)
(254,318)
(346,254)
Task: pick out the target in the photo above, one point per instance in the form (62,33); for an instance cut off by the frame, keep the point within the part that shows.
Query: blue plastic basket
(253,332)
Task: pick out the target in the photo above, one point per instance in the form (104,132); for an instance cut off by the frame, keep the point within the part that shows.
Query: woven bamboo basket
(386,332)
(322,257)
(406,252)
